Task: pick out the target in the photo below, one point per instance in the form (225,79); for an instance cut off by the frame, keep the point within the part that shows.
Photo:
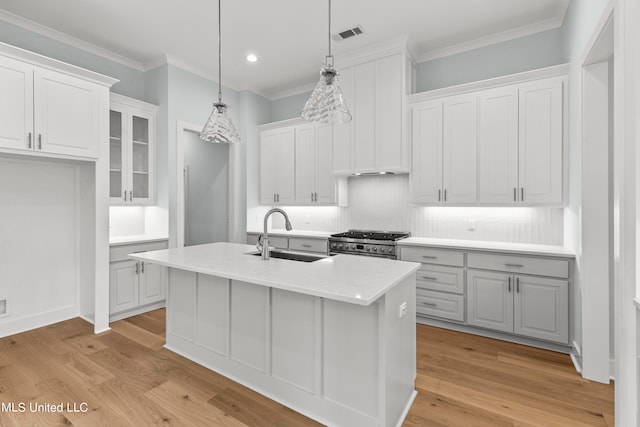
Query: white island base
(339,363)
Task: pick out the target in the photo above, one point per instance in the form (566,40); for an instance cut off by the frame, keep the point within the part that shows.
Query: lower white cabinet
(527,305)
(293,243)
(135,286)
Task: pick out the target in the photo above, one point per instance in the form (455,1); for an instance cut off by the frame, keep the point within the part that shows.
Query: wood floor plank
(129,379)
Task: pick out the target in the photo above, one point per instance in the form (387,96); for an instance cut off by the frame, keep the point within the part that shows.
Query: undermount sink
(293,256)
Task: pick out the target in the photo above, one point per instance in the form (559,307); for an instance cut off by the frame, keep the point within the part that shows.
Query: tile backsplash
(383,203)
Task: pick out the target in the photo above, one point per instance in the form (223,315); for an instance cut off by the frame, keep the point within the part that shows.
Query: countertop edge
(136,240)
(526,249)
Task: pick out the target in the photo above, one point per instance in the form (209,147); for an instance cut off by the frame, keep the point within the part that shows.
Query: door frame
(181,128)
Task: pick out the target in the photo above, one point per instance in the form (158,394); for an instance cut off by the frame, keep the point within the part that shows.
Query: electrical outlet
(402,310)
(471,224)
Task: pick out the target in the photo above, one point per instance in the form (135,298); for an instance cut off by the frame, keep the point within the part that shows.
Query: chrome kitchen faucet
(263,240)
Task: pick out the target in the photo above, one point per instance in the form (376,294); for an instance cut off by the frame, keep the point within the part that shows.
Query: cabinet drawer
(120,252)
(439,304)
(433,256)
(441,278)
(309,245)
(279,242)
(519,264)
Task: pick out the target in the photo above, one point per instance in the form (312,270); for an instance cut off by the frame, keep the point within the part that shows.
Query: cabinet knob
(39,141)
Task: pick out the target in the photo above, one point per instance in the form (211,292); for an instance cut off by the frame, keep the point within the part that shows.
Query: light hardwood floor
(126,378)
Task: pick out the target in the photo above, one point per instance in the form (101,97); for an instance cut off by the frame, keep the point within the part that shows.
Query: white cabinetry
(444,150)
(48,112)
(295,165)
(375,140)
(497,146)
(131,151)
(521,153)
(135,286)
(523,304)
(277,166)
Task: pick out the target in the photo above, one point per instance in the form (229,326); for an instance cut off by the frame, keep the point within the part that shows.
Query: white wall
(383,203)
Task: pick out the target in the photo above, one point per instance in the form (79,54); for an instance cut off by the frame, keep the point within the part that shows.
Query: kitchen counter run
(347,278)
(481,245)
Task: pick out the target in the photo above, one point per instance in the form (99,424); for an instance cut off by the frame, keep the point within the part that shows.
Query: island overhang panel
(338,347)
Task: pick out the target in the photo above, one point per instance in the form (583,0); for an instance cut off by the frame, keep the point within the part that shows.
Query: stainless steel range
(366,242)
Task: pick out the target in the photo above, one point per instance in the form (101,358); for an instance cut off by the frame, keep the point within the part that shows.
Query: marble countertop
(141,238)
(349,278)
(296,233)
(512,248)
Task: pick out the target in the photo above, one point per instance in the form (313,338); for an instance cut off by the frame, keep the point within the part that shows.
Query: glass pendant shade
(219,128)
(326,103)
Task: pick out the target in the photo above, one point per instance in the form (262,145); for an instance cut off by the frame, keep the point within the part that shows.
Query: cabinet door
(16,105)
(66,111)
(364,116)
(498,146)
(390,149)
(490,300)
(153,283)
(426,176)
(286,167)
(541,308)
(325,191)
(305,163)
(459,149)
(268,167)
(118,159)
(343,134)
(123,286)
(141,128)
(541,142)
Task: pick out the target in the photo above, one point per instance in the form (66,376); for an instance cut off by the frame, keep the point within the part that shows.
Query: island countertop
(349,278)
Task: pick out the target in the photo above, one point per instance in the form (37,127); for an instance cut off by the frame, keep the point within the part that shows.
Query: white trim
(39,320)
(136,311)
(598,31)
(636,302)
(293,91)
(541,73)
(69,40)
(282,123)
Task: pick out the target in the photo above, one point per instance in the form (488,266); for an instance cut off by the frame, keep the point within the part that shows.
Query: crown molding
(68,40)
(293,91)
(523,31)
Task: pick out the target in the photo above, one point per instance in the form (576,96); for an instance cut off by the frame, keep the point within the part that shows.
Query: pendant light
(326,103)
(219,127)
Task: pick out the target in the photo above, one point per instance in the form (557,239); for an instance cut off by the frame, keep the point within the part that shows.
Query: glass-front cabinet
(132,151)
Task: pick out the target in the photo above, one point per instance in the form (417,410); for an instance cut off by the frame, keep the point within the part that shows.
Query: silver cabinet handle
(522,194)
(430,304)
(274,197)
(316,196)
(429,257)
(445,194)
(130,195)
(515,194)
(430,278)
(29,140)
(306,246)
(142,266)
(513,265)
(517,284)
(278,197)
(137,267)
(125,195)
(439,193)
(39,141)
(509,283)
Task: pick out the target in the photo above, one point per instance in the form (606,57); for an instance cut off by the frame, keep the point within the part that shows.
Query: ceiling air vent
(351,32)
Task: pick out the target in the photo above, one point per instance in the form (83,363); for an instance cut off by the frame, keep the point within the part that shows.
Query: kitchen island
(333,339)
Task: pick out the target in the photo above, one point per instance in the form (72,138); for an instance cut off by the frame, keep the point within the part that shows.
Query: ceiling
(288,36)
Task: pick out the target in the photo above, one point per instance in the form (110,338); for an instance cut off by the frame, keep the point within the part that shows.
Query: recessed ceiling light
(252,57)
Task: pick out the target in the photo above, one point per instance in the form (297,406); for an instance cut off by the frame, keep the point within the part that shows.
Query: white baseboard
(15,326)
(136,311)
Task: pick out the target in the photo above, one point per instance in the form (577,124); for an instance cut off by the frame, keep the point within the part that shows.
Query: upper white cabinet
(295,165)
(376,139)
(49,112)
(131,151)
(444,151)
(277,166)
(497,147)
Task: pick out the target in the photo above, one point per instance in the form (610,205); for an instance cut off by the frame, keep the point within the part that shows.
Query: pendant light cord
(219,54)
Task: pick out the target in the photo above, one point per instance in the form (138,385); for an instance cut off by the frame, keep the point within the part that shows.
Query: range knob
(333,245)
(367,248)
(340,246)
(374,249)
(390,250)
(353,247)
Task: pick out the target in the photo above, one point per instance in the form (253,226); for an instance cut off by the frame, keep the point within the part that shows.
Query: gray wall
(514,56)
(132,82)
(288,107)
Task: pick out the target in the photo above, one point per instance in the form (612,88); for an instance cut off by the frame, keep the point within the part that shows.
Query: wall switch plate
(471,224)
(402,310)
